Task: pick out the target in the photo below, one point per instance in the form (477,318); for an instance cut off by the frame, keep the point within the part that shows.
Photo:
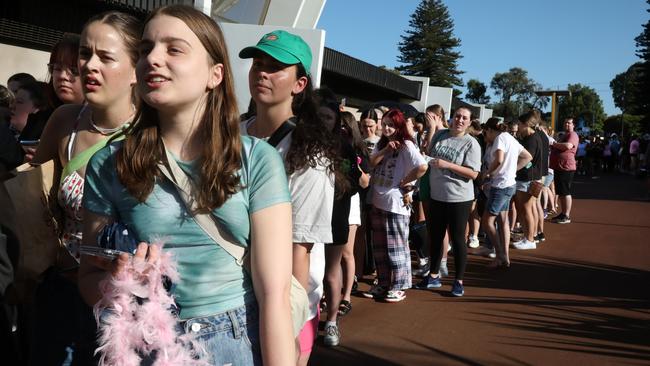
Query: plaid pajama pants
(390,232)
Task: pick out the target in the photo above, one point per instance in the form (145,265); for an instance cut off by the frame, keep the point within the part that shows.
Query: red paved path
(581,298)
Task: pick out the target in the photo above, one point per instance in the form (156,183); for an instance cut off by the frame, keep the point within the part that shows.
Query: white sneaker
(395,296)
(473,242)
(524,244)
(444,271)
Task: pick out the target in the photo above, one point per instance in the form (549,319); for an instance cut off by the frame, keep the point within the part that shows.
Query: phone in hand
(29,142)
(101,252)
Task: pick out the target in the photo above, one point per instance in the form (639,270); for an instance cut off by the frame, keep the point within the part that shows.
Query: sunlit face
(462,120)
(388,128)
(368,127)
(66,83)
(175,71)
(107,73)
(328,117)
(21,109)
(272,82)
(568,124)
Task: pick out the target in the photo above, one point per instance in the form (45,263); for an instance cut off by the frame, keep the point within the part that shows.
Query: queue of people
(148,144)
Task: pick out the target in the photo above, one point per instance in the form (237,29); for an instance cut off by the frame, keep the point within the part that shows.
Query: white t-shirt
(316,274)
(386,177)
(312,196)
(504,176)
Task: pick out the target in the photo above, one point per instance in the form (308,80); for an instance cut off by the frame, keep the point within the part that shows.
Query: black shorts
(563,180)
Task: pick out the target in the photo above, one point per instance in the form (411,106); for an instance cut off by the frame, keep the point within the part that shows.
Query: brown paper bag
(26,210)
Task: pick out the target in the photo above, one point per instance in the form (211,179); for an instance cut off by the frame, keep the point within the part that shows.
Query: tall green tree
(583,103)
(626,88)
(643,52)
(477,92)
(516,91)
(429,48)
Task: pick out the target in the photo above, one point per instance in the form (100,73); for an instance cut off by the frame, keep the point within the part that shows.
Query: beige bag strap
(206,221)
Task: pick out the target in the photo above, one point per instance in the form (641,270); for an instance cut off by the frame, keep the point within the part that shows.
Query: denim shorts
(548,179)
(523,186)
(229,338)
(499,199)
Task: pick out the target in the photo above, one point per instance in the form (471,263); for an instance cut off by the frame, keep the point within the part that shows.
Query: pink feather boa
(129,330)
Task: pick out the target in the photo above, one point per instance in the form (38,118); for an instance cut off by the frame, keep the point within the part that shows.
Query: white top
(504,176)
(386,194)
(316,274)
(312,196)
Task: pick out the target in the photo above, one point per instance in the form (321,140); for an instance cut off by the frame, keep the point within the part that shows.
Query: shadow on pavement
(620,187)
(570,277)
(342,355)
(613,319)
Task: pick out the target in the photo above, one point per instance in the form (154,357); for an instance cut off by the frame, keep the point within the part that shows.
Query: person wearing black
(545,151)
(524,200)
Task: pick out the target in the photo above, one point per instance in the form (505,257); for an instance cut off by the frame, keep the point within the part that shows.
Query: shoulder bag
(299,301)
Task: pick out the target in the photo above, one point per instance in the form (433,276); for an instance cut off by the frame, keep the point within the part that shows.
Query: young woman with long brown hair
(189,114)
(74,132)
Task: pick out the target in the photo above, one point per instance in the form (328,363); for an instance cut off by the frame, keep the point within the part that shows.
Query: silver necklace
(109,131)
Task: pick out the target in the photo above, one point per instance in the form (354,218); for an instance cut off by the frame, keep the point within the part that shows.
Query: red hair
(401,131)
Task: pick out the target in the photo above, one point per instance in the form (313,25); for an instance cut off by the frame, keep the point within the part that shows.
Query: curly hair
(311,141)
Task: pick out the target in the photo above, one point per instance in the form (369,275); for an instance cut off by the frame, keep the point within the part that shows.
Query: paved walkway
(581,298)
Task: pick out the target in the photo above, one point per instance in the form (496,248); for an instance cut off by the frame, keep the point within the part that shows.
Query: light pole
(553,94)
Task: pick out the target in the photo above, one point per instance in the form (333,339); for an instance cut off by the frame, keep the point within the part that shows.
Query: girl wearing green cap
(281,87)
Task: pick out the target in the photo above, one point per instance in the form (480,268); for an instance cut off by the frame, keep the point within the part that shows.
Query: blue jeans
(499,199)
(231,337)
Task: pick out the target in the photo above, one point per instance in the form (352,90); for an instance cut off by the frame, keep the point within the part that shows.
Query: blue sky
(558,42)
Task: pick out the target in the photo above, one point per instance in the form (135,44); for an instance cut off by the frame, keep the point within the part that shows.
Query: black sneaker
(422,271)
(562,219)
(565,220)
(540,237)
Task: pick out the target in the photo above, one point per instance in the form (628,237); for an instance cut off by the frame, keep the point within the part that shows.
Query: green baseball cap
(283,46)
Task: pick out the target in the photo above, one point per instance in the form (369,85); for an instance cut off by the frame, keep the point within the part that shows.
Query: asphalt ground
(581,298)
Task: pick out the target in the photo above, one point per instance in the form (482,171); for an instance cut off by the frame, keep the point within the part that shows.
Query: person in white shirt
(503,157)
(398,164)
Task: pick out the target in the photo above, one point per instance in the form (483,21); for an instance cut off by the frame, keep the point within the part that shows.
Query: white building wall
(430,95)
(18,59)
(239,36)
(440,95)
